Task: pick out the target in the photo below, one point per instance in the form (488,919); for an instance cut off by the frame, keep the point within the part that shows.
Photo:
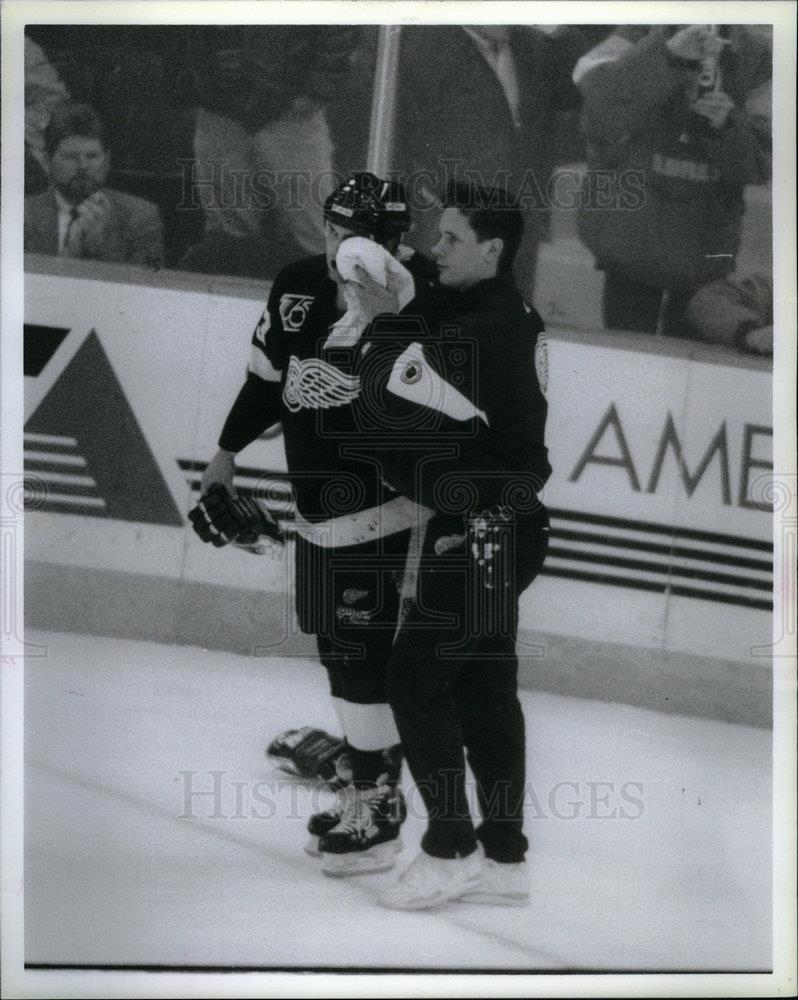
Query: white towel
(378,263)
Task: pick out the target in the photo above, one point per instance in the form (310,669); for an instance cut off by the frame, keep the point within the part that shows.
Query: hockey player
(352,531)
(463,378)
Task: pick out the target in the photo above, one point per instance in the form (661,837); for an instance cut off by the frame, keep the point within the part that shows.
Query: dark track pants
(452,684)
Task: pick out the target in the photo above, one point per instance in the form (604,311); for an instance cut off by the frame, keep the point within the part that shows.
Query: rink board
(661,532)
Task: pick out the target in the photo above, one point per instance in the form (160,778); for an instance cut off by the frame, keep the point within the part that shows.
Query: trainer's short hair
(70,119)
(492,213)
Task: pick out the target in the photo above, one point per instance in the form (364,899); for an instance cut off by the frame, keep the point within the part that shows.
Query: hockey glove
(311,753)
(490,539)
(221,518)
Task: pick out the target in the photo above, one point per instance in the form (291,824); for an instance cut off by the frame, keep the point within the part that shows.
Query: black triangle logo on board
(85,452)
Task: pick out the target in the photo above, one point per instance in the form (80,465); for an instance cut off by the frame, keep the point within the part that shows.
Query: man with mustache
(78,216)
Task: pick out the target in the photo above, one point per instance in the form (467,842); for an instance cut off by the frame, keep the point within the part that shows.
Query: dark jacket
(452,106)
(670,214)
(460,381)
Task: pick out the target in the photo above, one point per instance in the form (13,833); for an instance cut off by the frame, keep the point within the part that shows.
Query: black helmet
(370,206)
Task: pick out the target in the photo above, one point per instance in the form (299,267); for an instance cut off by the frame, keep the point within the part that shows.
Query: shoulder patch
(413,379)
(412,373)
(293,310)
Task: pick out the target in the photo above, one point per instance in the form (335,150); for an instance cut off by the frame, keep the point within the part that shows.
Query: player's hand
(715,107)
(220,518)
(221,469)
(490,533)
(373,299)
(694,43)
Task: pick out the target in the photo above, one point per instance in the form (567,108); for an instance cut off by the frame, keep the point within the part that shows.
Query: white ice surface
(115,873)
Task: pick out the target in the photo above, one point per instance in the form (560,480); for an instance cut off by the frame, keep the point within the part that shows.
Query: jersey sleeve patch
(293,309)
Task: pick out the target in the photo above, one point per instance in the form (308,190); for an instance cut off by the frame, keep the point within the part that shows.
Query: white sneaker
(501,885)
(429,882)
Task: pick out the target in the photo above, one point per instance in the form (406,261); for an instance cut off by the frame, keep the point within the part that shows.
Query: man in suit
(482,104)
(78,216)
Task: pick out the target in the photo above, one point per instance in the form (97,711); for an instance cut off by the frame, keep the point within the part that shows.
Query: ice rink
(650,833)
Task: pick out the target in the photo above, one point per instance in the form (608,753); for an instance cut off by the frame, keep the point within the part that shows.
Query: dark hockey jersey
(461,379)
(299,376)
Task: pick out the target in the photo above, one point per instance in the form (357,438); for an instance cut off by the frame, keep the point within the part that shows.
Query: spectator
(138,80)
(482,103)
(44,89)
(78,216)
(736,311)
(665,110)
(263,144)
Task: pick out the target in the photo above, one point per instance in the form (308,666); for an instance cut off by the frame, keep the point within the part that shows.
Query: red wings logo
(314,384)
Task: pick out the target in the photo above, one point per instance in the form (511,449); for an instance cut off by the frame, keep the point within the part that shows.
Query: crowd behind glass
(643,152)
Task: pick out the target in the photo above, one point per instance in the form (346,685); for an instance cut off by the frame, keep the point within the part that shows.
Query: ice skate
(366,838)
(319,824)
